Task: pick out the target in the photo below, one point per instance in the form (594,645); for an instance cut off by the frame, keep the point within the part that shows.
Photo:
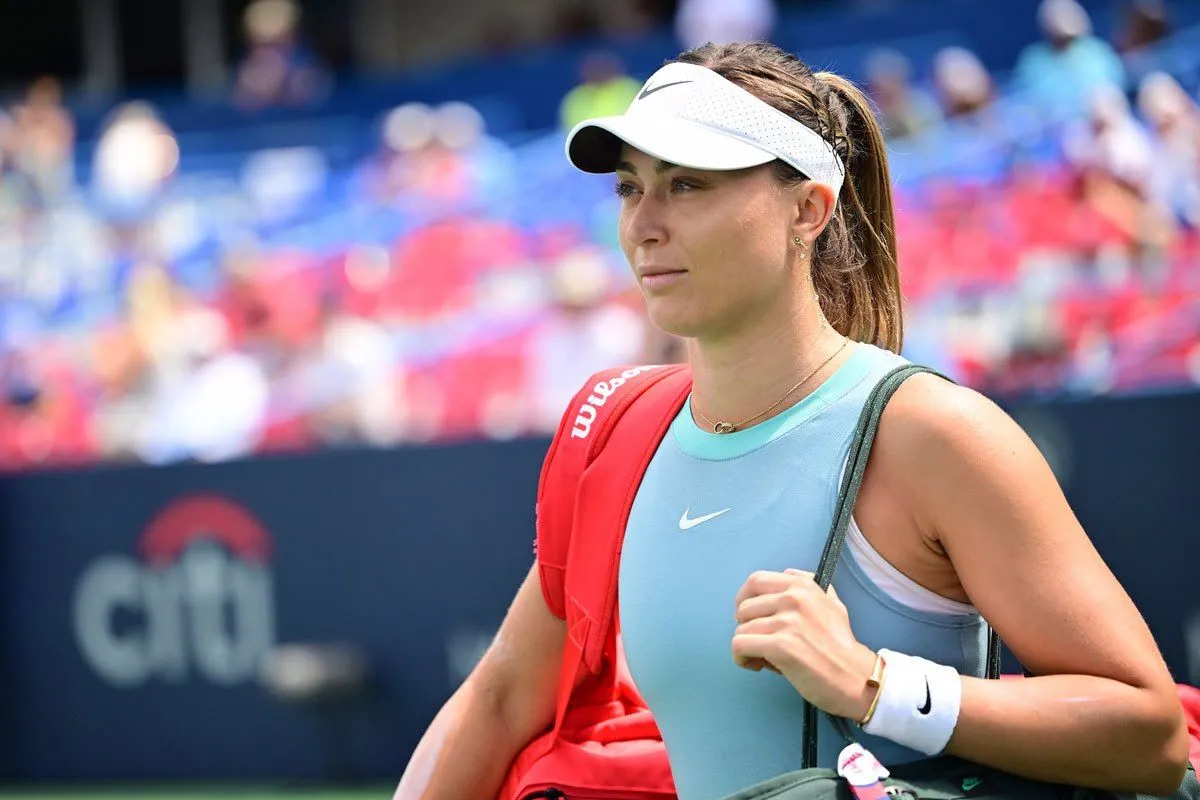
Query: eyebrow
(660,167)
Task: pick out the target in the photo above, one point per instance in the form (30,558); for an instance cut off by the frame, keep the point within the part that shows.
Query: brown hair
(854,259)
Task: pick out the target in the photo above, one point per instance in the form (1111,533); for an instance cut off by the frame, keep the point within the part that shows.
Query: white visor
(689,115)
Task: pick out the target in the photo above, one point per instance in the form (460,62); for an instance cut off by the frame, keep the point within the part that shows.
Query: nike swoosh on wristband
(649,90)
(688,524)
(925,709)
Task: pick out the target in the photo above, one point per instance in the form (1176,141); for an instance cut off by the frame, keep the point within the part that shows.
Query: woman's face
(710,250)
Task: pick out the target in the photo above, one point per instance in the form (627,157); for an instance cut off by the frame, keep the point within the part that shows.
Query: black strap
(856,467)
(993,655)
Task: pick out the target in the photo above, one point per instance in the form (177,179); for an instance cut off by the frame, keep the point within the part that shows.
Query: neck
(743,373)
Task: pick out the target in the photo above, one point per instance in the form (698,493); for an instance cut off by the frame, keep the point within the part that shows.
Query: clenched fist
(787,624)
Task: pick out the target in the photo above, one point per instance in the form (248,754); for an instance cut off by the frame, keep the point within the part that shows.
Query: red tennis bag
(604,742)
(1189,697)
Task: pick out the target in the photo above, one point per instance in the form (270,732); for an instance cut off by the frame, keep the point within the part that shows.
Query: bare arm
(506,701)
(1106,713)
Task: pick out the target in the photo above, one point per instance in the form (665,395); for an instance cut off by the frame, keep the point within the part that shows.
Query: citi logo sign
(195,601)
(599,396)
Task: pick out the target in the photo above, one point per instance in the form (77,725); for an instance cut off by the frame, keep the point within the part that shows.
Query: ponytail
(863,284)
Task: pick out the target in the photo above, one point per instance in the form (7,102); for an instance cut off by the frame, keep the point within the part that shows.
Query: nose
(643,222)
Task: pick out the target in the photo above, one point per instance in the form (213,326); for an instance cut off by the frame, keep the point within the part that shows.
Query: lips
(659,279)
(646,272)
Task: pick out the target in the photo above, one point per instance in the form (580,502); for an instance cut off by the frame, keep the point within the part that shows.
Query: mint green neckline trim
(700,443)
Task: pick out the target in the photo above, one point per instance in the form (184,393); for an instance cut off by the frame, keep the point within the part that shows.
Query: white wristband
(918,703)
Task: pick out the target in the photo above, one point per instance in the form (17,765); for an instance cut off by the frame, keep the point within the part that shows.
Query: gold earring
(798,242)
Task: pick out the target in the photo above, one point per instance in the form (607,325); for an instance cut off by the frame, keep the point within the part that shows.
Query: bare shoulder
(941,443)
(936,416)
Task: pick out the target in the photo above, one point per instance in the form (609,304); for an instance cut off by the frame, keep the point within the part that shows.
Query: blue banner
(138,602)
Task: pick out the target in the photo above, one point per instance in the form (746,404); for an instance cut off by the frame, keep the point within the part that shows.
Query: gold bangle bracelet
(878,676)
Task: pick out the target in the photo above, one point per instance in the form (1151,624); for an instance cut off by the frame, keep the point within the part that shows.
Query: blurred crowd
(1066,255)
(450,285)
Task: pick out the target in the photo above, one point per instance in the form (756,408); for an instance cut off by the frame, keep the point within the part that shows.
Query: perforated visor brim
(594,145)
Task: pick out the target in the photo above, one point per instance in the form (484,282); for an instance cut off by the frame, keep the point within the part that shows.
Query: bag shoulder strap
(582,434)
(589,479)
(603,504)
(856,467)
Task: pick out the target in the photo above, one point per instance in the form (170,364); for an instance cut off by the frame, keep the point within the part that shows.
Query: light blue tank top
(711,510)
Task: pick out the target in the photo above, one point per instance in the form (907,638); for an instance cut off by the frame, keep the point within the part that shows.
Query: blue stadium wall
(131,641)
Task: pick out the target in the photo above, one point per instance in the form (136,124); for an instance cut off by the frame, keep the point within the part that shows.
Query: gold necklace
(730,427)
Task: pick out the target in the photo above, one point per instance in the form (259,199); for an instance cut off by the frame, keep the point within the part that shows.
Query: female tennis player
(756,214)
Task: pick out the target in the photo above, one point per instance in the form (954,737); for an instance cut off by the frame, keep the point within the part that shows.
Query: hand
(788,625)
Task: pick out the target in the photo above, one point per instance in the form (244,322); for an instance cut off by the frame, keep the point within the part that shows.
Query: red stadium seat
(434,269)
(474,391)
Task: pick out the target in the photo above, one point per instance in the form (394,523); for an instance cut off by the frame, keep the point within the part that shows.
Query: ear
(815,204)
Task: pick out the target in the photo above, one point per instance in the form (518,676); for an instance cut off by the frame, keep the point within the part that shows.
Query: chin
(675,318)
